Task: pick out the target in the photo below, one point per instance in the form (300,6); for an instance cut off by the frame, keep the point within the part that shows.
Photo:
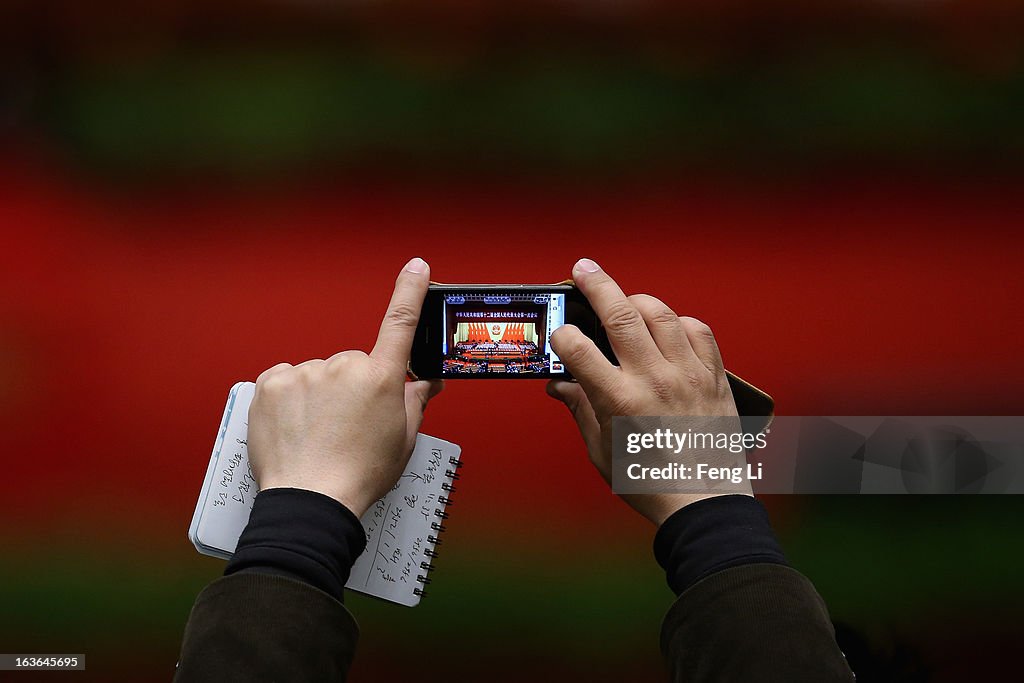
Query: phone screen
(504,332)
(500,333)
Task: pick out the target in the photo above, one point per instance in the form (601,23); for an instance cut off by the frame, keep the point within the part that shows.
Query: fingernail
(417,265)
(587,266)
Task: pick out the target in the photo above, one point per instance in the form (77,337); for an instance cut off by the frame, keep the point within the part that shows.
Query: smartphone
(504,332)
(499,331)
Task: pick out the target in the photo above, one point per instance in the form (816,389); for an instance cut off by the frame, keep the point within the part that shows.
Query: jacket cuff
(302,535)
(714,534)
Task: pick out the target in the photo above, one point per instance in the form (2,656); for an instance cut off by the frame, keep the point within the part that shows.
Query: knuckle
(663,388)
(307,373)
(622,316)
(698,328)
(277,383)
(696,378)
(664,316)
(337,363)
(271,371)
(654,309)
(341,362)
(403,314)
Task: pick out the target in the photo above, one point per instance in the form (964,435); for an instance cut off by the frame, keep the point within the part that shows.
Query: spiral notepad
(402,528)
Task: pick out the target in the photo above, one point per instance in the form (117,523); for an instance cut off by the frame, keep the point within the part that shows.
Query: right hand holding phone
(668,365)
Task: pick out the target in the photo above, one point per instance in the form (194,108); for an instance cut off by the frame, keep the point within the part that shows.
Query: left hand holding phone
(345,426)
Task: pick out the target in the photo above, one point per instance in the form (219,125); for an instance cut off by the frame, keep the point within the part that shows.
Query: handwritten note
(401,528)
(230,489)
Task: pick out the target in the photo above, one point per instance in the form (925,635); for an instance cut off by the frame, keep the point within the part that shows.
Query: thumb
(417,395)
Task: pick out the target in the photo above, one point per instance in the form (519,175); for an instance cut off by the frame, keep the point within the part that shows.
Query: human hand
(668,366)
(346,426)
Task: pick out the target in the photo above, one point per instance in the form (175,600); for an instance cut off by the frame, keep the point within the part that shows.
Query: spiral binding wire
(451,474)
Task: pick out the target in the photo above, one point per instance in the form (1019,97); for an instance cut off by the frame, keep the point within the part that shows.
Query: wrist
(342,492)
(659,507)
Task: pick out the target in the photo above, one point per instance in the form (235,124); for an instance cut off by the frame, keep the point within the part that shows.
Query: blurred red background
(862,266)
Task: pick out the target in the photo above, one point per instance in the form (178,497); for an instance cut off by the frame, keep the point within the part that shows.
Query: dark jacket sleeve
(756,622)
(276,614)
(262,627)
(742,613)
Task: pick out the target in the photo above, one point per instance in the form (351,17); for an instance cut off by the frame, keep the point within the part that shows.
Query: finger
(575,399)
(569,393)
(273,370)
(626,330)
(311,362)
(417,395)
(394,341)
(584,360)
(702,339)
(665,328)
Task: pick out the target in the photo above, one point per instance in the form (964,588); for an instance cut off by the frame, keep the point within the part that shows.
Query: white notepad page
(401,528)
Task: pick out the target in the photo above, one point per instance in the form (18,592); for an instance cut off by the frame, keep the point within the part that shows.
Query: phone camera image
(501,333)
